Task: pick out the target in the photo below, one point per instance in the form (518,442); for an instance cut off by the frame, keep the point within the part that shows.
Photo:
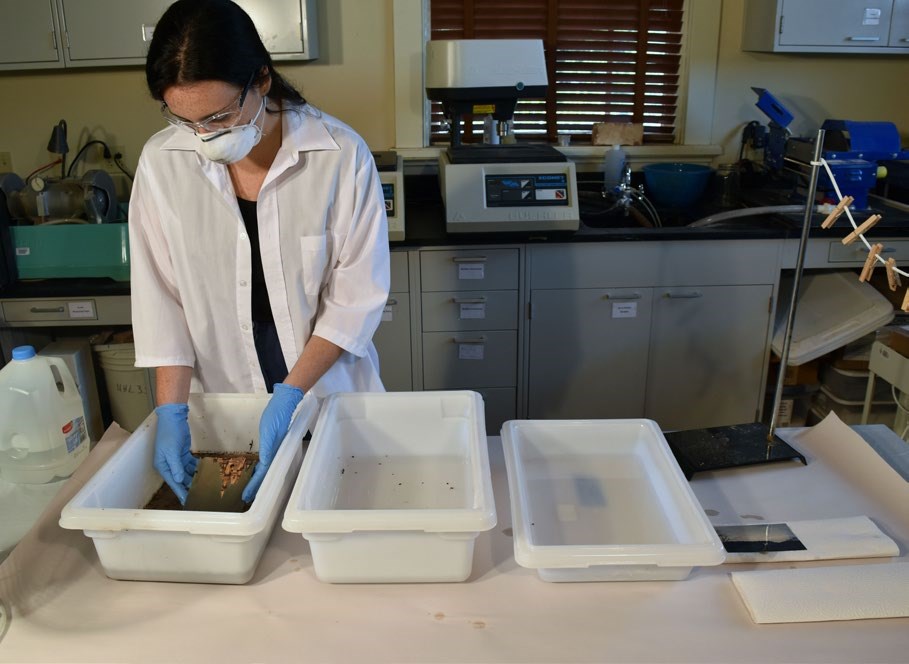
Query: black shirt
(261,308)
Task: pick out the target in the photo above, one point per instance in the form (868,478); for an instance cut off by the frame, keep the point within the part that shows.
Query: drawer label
(624,309)
(23,251)
(388,313)
(473,310)
(471,351)
(471,271)
(84,309)
(872,16)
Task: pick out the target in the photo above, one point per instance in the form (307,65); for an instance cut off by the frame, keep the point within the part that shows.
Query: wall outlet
(110,164)
(6,162)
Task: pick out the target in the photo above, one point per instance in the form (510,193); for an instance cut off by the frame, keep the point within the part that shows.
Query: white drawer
(469,269)
(400,281)
(18,311)
(857,252)
(470,310)
(469,360)
(392,341)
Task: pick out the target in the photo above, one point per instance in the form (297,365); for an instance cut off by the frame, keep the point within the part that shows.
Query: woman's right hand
(173,459)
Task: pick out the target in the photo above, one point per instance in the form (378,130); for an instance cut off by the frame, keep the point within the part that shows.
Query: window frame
(701,27)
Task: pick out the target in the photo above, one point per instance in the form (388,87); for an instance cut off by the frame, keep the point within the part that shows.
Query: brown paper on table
(618,133)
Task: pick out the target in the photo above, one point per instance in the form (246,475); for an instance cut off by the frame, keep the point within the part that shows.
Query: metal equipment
(851,148)
(391,173)
(507,186)
(61,227)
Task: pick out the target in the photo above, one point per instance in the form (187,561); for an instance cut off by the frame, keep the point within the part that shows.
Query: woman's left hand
(273,428)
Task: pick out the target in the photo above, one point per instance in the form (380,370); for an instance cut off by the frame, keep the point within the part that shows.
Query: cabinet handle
(632,296)
(391,302)
(863,249)
(469,259)
(863,39)
(47,310)
(690,295)
(472,340)
(469,300)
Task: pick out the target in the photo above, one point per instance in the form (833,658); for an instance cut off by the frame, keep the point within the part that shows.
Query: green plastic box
(72,250)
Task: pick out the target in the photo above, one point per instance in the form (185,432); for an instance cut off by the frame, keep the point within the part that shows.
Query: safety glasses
(224,119)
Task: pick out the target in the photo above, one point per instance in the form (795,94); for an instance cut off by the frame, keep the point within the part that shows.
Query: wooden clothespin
(837,211)
(871,262)
(905,306)
(893,277)
(865,227)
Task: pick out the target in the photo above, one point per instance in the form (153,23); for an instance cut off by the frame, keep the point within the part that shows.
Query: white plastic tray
(192,546)
(834,309)
(395,487)
(603,500)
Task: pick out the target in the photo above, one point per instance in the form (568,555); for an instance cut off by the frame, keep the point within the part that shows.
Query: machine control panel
(529,190)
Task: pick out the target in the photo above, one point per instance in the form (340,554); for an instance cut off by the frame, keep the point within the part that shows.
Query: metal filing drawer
(392,341)
(399,273)
(857,252)
(19,311)
(469,269)
(470,310)
(469,360)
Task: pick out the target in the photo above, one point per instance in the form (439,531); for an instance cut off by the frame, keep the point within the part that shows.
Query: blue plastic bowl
(676,185)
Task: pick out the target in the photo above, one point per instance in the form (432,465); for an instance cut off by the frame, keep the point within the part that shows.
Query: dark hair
(210,40)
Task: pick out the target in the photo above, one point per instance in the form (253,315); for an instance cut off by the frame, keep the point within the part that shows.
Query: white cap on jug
(23,352)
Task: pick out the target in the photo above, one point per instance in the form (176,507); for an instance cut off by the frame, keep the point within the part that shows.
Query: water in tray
(594,501)
(404,483)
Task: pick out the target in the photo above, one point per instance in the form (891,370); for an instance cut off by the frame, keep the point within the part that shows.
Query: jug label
(75,434)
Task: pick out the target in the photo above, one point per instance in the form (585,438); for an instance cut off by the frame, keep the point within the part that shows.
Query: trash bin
(130,390)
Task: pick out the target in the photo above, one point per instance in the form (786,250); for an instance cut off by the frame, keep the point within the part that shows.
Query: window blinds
(607,61)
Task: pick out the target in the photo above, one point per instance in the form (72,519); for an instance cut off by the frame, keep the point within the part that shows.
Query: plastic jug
(613,165)
(42,423)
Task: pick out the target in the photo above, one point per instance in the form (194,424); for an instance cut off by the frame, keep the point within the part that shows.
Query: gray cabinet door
(588,352)
(707,353)
(117,32)
(114,31)
(843,23)
(28,35)
(392,341)
(899,24)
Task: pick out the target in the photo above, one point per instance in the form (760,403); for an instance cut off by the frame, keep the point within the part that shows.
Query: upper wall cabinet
(29,41)
(825,26)
(86,33)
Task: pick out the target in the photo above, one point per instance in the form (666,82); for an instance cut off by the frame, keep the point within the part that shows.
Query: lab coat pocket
(313,251)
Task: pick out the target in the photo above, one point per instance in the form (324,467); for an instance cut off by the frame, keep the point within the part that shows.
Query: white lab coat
(324,243)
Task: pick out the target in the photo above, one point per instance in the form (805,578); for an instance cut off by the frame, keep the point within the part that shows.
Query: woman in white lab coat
(258,241)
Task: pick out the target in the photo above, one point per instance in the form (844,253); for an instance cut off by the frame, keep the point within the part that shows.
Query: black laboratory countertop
(425,227)
(425,218)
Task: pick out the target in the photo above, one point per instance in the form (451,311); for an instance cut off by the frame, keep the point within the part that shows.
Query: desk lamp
(58,145)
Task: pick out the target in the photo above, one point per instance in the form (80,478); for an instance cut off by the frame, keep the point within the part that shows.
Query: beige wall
(353,79)
(812,87)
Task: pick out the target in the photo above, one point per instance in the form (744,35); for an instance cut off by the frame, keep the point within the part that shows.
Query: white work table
(65,609)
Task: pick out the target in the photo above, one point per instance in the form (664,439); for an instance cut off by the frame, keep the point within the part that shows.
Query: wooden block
(837,211)
(618,133)
(893,277)
(905,306)
(871,262)
(863,228)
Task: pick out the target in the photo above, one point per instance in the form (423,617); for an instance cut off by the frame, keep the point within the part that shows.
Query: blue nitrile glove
(172,456)
(272,428)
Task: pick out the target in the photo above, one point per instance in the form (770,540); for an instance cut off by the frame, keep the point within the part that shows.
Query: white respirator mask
(231,145)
